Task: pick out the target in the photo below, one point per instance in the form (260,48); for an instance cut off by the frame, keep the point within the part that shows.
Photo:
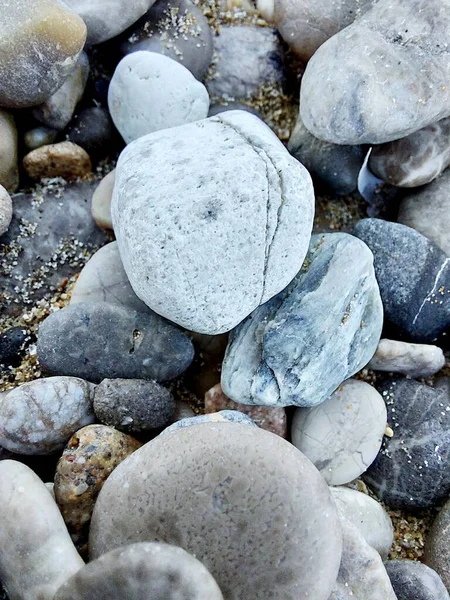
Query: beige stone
(9,167)
(6,210)
(64,159)
(101,201)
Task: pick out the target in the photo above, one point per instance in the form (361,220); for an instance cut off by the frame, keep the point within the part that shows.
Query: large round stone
(243,501)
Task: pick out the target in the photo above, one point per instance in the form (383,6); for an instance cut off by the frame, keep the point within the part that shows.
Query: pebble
(39,417)
(64,159)
(413,275)
(182,411)
(13,343)
(178,30)
(172,95)
(343,435)
(199,280)
(223,416)
(36,553)
(79,340)
(266,417)
(415,360)
(9,166)
(101,201)
(89,458)
(319,331)
(426,210)
(413,580)
(39,136)
(247,58)
(93,130)
(415,159)
(216,109)
(399,86)
(133,405)
(57,111)
(437,544)
(411,471)
(146,570)
(367,515)
(262,521)
(40,46)
(6,210)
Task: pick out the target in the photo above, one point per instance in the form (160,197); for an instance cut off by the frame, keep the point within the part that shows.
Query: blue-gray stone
(232,416)
(413,580)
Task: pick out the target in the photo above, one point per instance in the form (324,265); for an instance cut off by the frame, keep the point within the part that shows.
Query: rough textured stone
(40,416)
(98,341)
(93,129)
(411,471)
(91,455)
(413,580)
(367,515)
(437,544)
(413,275)
(415,360)
(199,279)
(343,435)
(133,405)
(262,521)
(36,553)
(177,29)
(6,210)
(39,136)
(266,417)
(223,416)
(320,330)
(145,570)
(9,166)
(173,95)
(101,201)
(65,159)
(40,44)
(383,77)
(426,210)
(415,159)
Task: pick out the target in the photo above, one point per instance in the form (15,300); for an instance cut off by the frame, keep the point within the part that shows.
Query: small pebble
(101,201)
(13,343)
(413,580)
(224,416)
(415,360)
(437,555)
(9,165)
(39,136)
(6,210)
(65,159)
(93,130)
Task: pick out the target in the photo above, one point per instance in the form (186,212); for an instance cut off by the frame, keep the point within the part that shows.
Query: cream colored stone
(101,201)
(9,167)
(6,210)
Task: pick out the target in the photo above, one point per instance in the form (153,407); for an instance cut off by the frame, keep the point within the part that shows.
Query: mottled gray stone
(437,555)
(367,515)
(36,553)
(321,329)
(427,211)
(9,160)
(6,210)
(177,29)
(39,136)
(247,57)
(40,416)
(415,360)
(415,159)
(383,77)
(413,275)
(413,580)
(411,471)
(243,501)
(98,341)
(182,238)
(133,405)
(342,436)
(101,201)
(223,416)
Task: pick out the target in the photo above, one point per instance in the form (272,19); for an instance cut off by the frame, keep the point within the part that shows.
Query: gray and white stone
(39,136)
(9,159)
(437,544)
(223,416)
(415,360)
(6,210)
(343,435)
(172,95)
(182,238)
(319,331)
(101,201)
(254,510)
(40,416)
(383,77)
(412,580)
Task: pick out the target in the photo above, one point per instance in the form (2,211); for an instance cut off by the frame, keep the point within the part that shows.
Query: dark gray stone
(93,130)
(413,275)
(437,545)
(413,580)
(232,416)
(98,341)
(13,344)
(411,470)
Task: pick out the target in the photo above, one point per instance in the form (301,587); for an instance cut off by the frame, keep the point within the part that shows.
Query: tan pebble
(9,167)
(389,432)
(64,159)
(6,210)
(101,201)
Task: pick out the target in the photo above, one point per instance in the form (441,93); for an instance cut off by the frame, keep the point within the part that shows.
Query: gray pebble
(39,136)
(6,210)
(223,416)
(437,544)
(413,580)
(93,129)
(415,360)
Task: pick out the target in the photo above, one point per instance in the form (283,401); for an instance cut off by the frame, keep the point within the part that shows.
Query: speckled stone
(101,201)
(6,210)
(223,416)
(9,166)
(91,455)
(415,360)
(320,330)
(266,532)
(411,471)
(437,544)
(40,416)
(413,580)
(145,570)
(64,159)
(266,417)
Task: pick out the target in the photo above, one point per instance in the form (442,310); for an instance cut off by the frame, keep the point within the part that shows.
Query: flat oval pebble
(101,201)
(415,360)
(242,500)
(223,416)
(64,159)
(9,167)
(6,210)
(412,580)
(437,555)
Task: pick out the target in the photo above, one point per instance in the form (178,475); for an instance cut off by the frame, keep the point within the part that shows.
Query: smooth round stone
(91,455)
(367,515)
(216,109)
(39,47)
(13,343)
(93,130)
(413,580)
(36,553)
(39,136)
(182,411)
(146,570)
(415,360)
(40,416)
(9,166)
(178,30)
(101,201)
(261,519)
(199,280)
(343,435)
(133,405)
(6,210)
(64,159)
(437,545)
(172,95)
(223,416)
